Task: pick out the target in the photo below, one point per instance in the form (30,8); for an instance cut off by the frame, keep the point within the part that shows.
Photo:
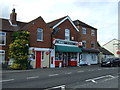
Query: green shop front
(66,53)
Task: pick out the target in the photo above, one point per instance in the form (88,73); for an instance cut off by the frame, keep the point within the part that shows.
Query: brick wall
(32,28)
(88,36)
(61,33)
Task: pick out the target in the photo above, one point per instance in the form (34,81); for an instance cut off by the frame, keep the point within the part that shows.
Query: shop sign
(66,42)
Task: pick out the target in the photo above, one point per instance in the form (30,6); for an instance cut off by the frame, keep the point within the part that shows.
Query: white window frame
(1,61)
(4,36)
(84,41)
(67,34)
(38,31)
(92,32)
(84,30)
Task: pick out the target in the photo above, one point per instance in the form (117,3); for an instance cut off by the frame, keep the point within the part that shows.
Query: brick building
(65,37)
(88,37)
(40,40)
(7,27)
(52,44)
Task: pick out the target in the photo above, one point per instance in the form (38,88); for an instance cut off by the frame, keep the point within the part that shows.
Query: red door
(38,59)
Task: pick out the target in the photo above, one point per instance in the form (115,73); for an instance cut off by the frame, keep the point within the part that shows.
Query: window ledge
(2,44)
(39,40)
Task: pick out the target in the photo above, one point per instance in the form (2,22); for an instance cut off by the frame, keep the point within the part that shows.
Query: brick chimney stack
(13,16)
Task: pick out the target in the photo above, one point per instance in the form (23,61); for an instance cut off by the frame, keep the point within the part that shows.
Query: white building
(113,46)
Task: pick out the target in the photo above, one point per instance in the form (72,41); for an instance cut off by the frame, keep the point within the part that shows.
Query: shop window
(93,56)
(73,56)
(39,34)
(2,56)
(42,57)
(83,57)
(58,56)
(84,44)
(84,30)
(93,45)
(92,32)
(2,38)
(67,34)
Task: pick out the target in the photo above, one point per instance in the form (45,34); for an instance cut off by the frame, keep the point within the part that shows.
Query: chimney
(13,17)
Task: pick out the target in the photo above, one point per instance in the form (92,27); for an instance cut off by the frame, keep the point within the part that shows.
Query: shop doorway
(65,59)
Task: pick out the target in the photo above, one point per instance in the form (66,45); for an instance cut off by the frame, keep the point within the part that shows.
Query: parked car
(111,62)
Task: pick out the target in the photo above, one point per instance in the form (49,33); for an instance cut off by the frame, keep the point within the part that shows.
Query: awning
(67,49)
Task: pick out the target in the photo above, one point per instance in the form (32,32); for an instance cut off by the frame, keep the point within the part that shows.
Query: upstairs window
(92,32)
(93,45)
(2,56)
(39,34)
(67,34)
(84,44)
(2,38)
(83,30)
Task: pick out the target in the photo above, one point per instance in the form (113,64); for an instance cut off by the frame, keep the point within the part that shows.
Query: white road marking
(99,69)
(7,80)
(53,75)
(62,87)
(93,80)
(32,77)
(90,70)
(69,73)
(80,71)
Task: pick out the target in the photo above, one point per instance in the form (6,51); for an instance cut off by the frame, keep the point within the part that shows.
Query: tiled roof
(52,23)
(80,23)
(31,22)
(6,26)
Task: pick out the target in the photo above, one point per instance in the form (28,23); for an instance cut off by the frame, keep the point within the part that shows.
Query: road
(71,78)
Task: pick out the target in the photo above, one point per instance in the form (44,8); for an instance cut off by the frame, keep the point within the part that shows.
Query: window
(2,38)
(92,44)
(67,34)
(58,56)
(92,32)
(42,56)
(83,30)
(73,56)
(39,34)
(84,44)
(2,56)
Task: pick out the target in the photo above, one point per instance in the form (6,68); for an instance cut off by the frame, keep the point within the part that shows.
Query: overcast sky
(101,14)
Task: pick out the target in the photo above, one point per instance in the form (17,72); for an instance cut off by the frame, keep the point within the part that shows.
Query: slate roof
(25,27)
(80,23)
(104,51)
(6,26)
(90,50)
(52,23)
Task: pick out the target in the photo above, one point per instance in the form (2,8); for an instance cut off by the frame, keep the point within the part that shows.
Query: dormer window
(67,34)
(39,34)
(2,38)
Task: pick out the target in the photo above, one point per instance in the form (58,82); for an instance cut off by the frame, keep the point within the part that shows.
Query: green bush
(17,66)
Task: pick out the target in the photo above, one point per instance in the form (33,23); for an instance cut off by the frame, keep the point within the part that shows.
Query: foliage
(18,49)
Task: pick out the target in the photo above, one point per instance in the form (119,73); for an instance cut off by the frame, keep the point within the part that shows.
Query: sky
(101,14)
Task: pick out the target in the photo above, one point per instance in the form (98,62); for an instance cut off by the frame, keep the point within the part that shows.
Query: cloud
(101,14)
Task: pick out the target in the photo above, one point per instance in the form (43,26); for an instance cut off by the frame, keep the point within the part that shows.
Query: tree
(18,49)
